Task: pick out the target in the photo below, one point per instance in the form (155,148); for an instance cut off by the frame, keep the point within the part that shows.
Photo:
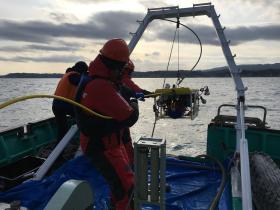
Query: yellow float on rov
(181,102)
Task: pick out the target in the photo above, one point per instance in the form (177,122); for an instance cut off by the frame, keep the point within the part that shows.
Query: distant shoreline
(167,74)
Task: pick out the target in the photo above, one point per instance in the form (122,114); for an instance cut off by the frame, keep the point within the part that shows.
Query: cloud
(265,4)
(62,17)
(152,54)
(51,48)
(25,31)
(53,59)
(11,49)
(275,4)
(153,4)
(36,47)
(253,33)
(237,35)
(206,34)
(99,26)
(111,24)
(156,53)
(269,2)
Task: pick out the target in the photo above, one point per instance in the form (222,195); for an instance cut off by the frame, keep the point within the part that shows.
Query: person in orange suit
(66,88)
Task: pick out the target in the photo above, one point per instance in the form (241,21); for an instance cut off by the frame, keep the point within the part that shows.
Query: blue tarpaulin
(192,188)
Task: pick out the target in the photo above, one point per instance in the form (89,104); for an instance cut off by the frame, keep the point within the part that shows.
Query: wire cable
(216,199)
(154,126)
(164,80)
(178,53)
(179,81)
(170,56)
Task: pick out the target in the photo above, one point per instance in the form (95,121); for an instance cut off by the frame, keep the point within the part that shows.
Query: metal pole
(41,172)
(245,165)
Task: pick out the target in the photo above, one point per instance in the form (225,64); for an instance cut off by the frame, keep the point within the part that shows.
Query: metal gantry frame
(241,141)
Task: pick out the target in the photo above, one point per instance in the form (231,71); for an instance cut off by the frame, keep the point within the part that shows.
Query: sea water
(184,137)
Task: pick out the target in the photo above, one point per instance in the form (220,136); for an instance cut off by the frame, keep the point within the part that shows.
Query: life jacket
(85,121)
(65,88)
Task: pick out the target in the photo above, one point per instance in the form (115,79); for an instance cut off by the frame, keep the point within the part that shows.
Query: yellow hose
(153,95)
(23,98)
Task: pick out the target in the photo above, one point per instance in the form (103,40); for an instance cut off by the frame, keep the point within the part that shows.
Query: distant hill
(258,70)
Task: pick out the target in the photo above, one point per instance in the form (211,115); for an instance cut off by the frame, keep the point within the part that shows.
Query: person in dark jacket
(127,80)
(67,88)
(138,93)
(101,139)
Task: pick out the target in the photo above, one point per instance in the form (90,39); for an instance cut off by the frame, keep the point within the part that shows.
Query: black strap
(85,79)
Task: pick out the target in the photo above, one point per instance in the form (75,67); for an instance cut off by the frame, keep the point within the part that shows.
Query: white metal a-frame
(241,142)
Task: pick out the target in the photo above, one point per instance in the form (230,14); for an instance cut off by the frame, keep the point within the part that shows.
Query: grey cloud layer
(101,26)
(53,59)
(108,25)
(243,34)
(238,35)
(34,47)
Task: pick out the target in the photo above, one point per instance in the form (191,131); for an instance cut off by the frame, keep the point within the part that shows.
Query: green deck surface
(20,142)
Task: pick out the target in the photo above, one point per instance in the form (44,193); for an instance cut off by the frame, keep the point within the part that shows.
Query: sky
(48,36)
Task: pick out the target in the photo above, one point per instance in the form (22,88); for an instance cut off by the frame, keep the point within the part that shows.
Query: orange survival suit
(67,88)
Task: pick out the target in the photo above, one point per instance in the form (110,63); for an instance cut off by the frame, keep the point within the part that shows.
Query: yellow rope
(23,98)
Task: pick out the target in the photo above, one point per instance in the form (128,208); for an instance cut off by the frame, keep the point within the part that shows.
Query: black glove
(134,116)
(126,92)
(134,104)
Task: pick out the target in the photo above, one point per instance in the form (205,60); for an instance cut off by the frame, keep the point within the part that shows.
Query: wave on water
(177,147)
